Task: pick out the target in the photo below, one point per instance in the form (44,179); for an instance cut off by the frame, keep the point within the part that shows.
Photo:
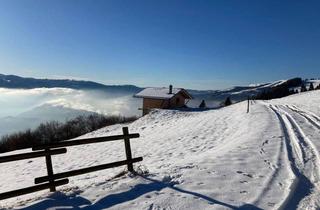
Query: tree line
(55,131)
(286,89)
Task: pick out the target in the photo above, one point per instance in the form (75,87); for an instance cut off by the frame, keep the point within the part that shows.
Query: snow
(218,159)
(277,83)
(256,88)
(315,82)
(270,84)
(158,92)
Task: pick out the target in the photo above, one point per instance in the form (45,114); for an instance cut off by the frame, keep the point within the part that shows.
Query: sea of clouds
(16,101)
(26,108)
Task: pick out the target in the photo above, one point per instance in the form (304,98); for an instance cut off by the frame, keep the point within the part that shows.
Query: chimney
(170,89)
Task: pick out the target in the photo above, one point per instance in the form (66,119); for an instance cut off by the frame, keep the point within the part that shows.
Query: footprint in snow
(244,174)
(248,175)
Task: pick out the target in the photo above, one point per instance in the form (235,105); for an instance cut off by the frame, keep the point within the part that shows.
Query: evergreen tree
(203,104)
(291,92)
(228,102)
(303,88)
(311,86)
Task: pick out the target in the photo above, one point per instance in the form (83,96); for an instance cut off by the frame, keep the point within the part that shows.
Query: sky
(192,44)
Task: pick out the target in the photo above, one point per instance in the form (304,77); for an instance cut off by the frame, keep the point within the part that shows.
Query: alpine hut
(163,98)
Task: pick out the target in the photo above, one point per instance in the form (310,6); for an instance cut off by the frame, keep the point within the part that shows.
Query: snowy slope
(240,93)
(218,159)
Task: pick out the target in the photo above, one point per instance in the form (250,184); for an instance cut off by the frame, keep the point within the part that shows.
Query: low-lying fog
(26,108)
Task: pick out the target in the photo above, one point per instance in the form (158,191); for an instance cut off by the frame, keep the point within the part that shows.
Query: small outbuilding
(163,98)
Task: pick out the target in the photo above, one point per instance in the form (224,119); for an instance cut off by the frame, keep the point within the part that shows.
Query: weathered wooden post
(50,171)
(128,147)
(248,104)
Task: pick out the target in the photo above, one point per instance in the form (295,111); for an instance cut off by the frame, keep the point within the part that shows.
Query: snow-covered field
(219,159)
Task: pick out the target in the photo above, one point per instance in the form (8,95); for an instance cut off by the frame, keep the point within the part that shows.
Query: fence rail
(85,170)
(85,141)
(52,180)
(30,155)
(32,189)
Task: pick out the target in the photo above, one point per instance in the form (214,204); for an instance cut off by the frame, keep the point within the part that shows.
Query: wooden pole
(127,147)
(50,171)
(248,105)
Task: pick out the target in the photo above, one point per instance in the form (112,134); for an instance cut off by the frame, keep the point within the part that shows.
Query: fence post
(248,104)
(128,148)
(50,171)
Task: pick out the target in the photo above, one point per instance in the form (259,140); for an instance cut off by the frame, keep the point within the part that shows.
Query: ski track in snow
(309,116)
(304,159)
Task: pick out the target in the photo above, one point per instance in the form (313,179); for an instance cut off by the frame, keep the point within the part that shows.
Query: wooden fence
(52,180)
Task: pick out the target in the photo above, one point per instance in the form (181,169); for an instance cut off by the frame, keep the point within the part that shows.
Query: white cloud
(36,91)
(16,101)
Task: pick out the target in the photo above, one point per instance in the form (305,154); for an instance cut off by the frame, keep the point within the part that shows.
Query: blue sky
(193,44)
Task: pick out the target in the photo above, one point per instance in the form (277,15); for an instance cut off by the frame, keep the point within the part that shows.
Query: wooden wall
(175,102)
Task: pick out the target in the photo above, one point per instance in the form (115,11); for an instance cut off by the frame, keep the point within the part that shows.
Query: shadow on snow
(60,201)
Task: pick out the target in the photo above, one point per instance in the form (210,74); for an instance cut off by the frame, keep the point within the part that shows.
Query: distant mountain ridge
(32,118)
(237,93)
(13,81)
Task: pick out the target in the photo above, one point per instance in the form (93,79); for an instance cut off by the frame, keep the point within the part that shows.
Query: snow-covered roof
(160,93)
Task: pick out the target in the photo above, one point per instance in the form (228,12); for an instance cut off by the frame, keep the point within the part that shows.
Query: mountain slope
(12,81)
(219,159)
(240,93)
(34,117)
